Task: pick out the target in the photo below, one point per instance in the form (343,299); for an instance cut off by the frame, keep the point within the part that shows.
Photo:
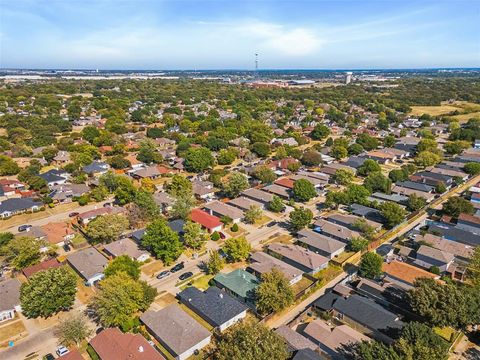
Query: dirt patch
(165,300)
(12,331)
(84,293)
(152,268)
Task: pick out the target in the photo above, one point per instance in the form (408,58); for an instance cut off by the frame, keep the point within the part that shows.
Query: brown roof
(406,272)
(111,344)
(333,338)
(299,255)
(45,265)
(469,218)
(285,182)
(72,355)
(56,232)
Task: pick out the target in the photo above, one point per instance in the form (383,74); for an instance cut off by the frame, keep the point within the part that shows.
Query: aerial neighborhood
(229,219)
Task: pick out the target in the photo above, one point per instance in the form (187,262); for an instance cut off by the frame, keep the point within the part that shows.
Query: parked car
(48,357)
(222,235)
(73,214)
(271,223)
(178,267)
(186,275)
(66,247)
(107,204)
(62,350)
(163,274)
(99,330)
(25,227)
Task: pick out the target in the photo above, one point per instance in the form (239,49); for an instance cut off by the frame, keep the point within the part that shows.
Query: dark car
(49,357)
(178,267)
(73,214)
(22,228)
(66,248)
(186,275)
(163,274)
(107,204)
(271,223)
(222,235)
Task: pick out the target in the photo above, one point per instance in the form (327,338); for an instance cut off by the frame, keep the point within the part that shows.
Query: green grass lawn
(447,333)
(199,282)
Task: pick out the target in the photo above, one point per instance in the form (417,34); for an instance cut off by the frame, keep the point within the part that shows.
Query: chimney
(140,349)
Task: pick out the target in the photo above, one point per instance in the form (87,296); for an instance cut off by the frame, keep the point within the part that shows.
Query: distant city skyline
(189,34)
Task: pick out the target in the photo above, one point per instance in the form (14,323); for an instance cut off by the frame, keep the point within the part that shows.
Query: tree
(303,190)
(148,153)
(368,142)
(264,174)
(106,228)
(374,350)
(274,292)
(182,207)
(253,214)
(162,241)
(355,149)
(8,166)
(119,298)
(358,244)
(198,159)
(194,236)
(415,202)
(343,176)
(48,292)
(378,182)
(215,263)
(119,162)
(21,252)
(180,186)
(226,156)
(393,213)
(299,218)
(473,270)
(311,158)
(418,341)
(456,147)
(262,149)
(238,248)
(338,152)
(125,191)
(427,158)
(357,193)
(125,264)
(440,188)
(249,340)
(72,330)
(365,228)
(371,265)
(320,132)
(397,175)
(146,203)
(5,238)
(455,206)
(427,145)
(235,184)
(369,166)
(276,204)
(472,168)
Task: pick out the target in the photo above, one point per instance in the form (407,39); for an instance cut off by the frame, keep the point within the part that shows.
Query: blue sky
(222,34)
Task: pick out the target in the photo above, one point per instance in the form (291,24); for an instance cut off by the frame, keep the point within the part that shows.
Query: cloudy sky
(225,34)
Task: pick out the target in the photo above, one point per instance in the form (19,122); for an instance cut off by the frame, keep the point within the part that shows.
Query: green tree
(274,292)
(427,158)
(369,166)
(238,248)
(299,218)
(397,175)
(311,158)
(198,159)
(21,252)
(276,204)
(393,213)
(226,156)
(48,292)
(8,166)
(106,228)
(371,265)
(194,236)
(264,174)
(378,182)
(215,263)
(262,149)
(456,147)
(320,132)
(415,202)
(303,190)
(374,350)
(365,228)
(368,142)
(235,184)
(253,214)
(455,206)
(472,168)
(182,207)
(427,145)
(343,176)
(249,340)
(440,188)
(358,244)
(180,186)
(338,152)
(123,263)
(419,341)
(148,153)
(355,149)
(73,330)
(162,241)
(125,191)
(473,270)
(147,205)
(5,238)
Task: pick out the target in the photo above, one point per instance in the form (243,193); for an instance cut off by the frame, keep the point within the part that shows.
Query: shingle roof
(258,195)
(244,203)
(88,262)
(335,230)
(319,241)
(44,265)
(456,234)
(306,354)
(9,294)
(415,186)
(299,255)
(214,305)
(238,281)
(295,340)
(224,209)
(264,263)
(18,204)
(436,254)
(175,329)
(124,247)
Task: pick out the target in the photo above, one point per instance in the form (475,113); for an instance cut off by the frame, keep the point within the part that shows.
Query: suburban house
(15,206)
(335,231)
(96,168)
(221,209)
(366,212)
(112,344)
(407,192)
(362,314)
(456,234)
(209,222)
(461,251)
(203,190)
(244,203)
(44,265)
(404,274)
(52,178)
(350,221)
(58,233)
(321,244)
(258,195)
(277,190)
(66,192)
(416,186)
(262,263)
(215,306)
(177,331)
(86,217)
(306,354)
(294,340)
(428,256)
(164,201)
(9,299)
(126,247)
(89,264)
(238,283)
(468,222)
(304,259)
(331,340)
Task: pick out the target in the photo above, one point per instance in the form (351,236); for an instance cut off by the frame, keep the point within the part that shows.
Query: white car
(62,350)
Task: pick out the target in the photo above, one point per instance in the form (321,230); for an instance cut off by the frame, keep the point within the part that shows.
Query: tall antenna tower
(256,66)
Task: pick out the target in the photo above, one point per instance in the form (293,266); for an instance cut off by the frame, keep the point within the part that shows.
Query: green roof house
(238,283)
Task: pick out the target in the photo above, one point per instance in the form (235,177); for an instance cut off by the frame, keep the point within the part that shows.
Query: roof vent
(140,349)
(220,296)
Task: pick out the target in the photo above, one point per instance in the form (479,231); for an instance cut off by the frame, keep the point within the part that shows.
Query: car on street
(48,357)
(178,267)
(66,247)
(271,224)
(222,235)
(186,275)
(163,274)
(25,227)
(107,204)
(62,350)
(73,214)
